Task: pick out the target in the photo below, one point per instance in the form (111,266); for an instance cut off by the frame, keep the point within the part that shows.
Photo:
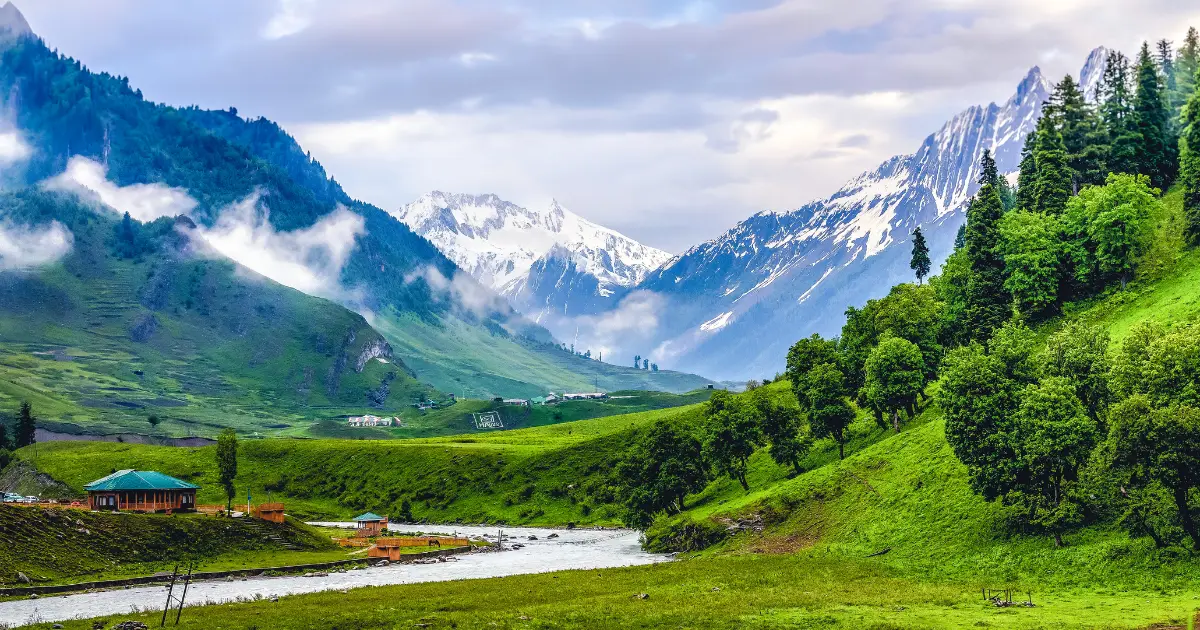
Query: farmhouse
(141,491)
(370,524)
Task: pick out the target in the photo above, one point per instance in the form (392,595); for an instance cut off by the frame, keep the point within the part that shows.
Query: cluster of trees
(24,433)
(1071,433)
(670,462)
(640,363)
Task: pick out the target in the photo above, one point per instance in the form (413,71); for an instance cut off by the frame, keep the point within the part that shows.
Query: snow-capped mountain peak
(545,261)
(1092,73)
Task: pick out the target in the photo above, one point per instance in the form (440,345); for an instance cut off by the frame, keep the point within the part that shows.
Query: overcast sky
(667,120)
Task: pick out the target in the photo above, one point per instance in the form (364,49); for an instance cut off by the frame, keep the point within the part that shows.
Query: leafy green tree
(1109,228)
(1079,353)
(732,431)
(987,301)
(913,313)
(26,430)
(1033,259)
(1054,438)
(1156,155)
(895,374)
(950,287)
(920,262)
(659,472)
(806,354)
(227,466)
(829,413)
(1190,165)
(979,396)
(1117,111)
(1160,445)
(784,429)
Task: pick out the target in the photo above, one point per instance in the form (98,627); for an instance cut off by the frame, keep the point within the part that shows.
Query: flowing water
(571,549)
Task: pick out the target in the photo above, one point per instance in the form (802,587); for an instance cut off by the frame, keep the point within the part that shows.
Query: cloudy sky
(669,120)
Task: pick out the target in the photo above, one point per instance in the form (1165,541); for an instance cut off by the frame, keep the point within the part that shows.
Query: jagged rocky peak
(1092,73)
(12,22)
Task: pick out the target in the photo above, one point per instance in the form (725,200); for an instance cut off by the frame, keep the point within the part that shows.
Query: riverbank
(541,550)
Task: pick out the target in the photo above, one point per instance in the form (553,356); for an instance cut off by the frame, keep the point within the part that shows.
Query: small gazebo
(141,491)
(370,524)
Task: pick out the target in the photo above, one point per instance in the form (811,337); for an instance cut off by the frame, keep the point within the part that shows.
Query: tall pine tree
(1027,176)
(1166,67)
(1120,120)
(1082,133)
(987,301)
(26,427)
(1186,65)
(1052,185)
(920,262)
(1156,154)
(1190,164)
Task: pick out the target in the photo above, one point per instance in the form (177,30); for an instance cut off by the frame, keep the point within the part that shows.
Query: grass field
(718,593)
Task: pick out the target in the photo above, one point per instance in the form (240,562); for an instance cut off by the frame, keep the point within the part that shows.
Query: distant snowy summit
(547,262)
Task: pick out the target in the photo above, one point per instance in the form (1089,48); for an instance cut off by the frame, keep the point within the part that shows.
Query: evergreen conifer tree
(1052,186)
(1027,177)
(1190,164)
(1120,121)
(3,436)
(1156,155)
(987,300)
(1186,65)
(26,432)
(1166,66)
(920,262)
(1082,134)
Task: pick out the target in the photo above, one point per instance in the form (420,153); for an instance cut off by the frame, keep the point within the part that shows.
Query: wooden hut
(141,491)
(272,512)
(370,524)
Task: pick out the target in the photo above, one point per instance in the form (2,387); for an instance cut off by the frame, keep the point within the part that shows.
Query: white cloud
(13,148)
(292,17)
(628,329)
(309,260)
(463,291)
(144,202)
(24,247)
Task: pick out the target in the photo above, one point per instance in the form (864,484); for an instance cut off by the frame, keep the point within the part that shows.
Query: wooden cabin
(272,512)
(393,548)
(141,491)
(370,525)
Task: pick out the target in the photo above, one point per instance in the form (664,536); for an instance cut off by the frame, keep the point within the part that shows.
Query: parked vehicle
(13,498)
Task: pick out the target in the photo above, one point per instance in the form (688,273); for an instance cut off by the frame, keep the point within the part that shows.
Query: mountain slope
(798,271)
(249,179)
(546,262)
(105,338)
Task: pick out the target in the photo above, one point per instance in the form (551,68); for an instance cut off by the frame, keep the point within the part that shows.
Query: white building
(371,421)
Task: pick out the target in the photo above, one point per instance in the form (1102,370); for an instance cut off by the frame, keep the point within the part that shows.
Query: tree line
(1063,432)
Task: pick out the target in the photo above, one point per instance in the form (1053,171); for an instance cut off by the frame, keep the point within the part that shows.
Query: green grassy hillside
(62,545)
(99,342)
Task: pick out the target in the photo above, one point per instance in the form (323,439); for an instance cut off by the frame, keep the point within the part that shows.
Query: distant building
(370,524)
(585,396)
(371,421)
(515,401)
(141,491)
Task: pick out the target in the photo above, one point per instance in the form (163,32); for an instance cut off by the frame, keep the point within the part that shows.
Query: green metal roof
(369,516)
(139,480)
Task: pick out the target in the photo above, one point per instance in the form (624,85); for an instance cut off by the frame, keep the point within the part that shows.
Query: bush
(683,535)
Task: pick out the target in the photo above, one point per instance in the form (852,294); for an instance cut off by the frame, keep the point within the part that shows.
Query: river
(571,549)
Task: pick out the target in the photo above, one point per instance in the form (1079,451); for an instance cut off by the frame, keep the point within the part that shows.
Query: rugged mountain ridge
(546,262)
(798,271)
